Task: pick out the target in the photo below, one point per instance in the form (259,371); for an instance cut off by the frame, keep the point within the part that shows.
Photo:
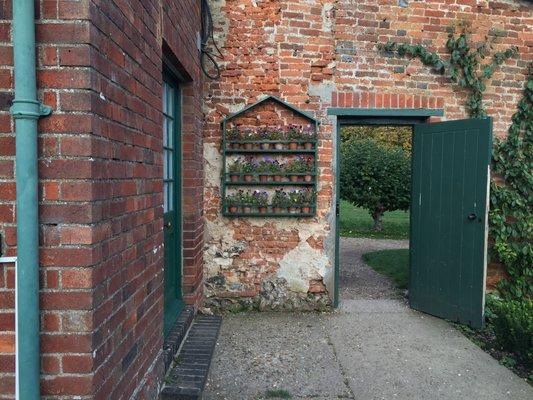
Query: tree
(385,135)
(375,177)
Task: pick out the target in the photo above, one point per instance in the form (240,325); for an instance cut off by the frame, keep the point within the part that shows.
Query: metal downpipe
(26,110)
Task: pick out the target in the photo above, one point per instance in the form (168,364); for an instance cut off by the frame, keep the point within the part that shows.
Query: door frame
(172,77)
(365,116)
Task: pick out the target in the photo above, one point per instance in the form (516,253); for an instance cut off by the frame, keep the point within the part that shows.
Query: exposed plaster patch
(327,17)
(301,265)
(213,162)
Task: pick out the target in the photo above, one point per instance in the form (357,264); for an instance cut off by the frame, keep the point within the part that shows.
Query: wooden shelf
(287,151)
(268,215)
(229,183)
(302,141)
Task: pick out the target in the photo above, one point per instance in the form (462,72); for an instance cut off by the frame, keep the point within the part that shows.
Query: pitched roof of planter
(275,100)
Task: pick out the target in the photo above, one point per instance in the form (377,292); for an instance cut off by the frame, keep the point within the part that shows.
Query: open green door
(172,201)
(449,205)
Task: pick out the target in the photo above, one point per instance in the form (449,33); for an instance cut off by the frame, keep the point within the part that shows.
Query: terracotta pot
(294,210)
(308,146)
(262,210)
(293,178)
(277,210)
(306,210)
(279,146)
(248,146)
(248,178)
(293,146)
(265,146)
(277,178)
(247,210)
(263,178)
(234,178)
(232,209)
(308,178)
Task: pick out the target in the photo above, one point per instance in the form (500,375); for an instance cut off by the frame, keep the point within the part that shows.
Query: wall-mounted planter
(289,145)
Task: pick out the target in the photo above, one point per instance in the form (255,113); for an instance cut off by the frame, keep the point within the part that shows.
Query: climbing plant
(511,214)
(464,67)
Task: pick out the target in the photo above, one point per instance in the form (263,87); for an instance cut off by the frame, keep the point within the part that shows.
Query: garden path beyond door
(449,206)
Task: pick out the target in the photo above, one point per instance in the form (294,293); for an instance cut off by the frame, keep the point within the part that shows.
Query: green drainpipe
(26,110)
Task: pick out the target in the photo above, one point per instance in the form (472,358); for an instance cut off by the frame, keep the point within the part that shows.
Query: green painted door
(449,219)
(172,201)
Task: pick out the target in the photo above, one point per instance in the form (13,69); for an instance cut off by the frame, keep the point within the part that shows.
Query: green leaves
(511,218)
(463,68)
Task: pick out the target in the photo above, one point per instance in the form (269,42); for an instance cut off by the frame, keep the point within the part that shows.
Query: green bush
(512,322)
(375,177)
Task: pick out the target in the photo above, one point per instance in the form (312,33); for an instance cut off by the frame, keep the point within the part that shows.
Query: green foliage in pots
(280,200)
(298,165)
(233,134)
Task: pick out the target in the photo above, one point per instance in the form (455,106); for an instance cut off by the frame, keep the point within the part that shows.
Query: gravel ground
(358,280)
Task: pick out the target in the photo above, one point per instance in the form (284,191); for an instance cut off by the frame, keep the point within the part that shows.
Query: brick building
(113,73)
(104,68)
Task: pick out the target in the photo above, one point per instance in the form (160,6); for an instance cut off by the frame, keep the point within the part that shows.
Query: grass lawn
(357,222)
(391,263)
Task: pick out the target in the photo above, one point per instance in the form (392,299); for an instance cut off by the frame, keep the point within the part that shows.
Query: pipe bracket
(29,109)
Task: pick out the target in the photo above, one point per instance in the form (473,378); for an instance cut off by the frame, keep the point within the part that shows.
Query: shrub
(374,177)
(512,322)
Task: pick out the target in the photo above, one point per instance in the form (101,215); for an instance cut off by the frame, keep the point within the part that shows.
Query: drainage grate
(176,335)
(188,374)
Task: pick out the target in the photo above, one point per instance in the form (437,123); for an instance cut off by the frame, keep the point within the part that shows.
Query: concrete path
(371,348)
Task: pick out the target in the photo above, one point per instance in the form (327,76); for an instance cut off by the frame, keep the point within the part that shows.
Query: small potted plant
(308,177)
(263,169)
(264,137)
(276,170)
(233,201)
(309,135)
(306,200)
(295,167)
(260,200)
(276,135)
(295,202)
(249,136)
(247,202)
(280,201)
(249,167)
(293,134)
(235,169)
(233,135)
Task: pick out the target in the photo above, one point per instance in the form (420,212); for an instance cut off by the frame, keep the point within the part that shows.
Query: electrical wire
(206,35)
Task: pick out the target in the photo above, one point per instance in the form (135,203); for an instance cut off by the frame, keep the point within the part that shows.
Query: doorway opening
(375,188)
(448,209)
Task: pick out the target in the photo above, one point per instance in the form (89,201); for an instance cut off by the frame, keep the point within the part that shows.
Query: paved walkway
(371,348)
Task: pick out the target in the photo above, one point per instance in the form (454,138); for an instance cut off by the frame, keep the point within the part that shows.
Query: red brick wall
(320,54)
(100,68)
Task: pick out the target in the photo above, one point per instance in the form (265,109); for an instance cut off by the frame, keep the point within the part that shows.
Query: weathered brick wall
(100,68)
(319,54)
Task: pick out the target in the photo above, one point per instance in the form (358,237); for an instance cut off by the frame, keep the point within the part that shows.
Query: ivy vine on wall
(464,67)
(511,215)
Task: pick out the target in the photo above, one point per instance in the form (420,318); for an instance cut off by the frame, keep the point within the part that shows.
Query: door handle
(168,225)
(472,216)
